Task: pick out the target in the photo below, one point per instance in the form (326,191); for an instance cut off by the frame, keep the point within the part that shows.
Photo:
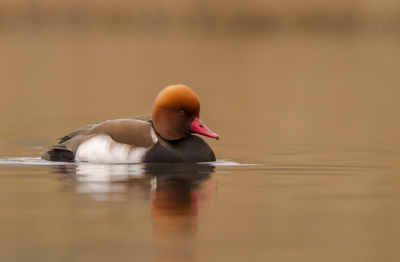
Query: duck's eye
(182,113)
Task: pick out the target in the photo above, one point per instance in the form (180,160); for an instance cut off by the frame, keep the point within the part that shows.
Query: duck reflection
(174,208)
(172,189)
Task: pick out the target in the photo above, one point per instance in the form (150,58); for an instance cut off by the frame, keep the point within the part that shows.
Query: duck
(165,136)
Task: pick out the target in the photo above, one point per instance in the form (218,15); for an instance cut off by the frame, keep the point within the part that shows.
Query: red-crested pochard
(163,136)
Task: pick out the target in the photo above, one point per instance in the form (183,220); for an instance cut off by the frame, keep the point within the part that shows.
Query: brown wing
(137,131)
(147,118)
(75,133)
(126,131)
(86,129)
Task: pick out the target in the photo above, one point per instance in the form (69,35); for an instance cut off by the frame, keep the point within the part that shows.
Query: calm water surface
(307,164)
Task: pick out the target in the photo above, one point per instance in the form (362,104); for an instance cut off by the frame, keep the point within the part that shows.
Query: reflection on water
(174,190)
(172,212)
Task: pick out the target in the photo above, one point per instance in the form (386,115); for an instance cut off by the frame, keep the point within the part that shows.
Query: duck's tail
(58,153)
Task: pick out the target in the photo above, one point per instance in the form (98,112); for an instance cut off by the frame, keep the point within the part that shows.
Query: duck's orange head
(176,113)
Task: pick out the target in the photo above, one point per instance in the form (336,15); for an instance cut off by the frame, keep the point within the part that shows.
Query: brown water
(318,115)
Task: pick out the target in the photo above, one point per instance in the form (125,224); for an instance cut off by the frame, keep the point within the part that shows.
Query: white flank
(102,149)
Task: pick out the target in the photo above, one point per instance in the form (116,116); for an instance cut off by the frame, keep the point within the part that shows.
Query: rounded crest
(174,110)
(178,97)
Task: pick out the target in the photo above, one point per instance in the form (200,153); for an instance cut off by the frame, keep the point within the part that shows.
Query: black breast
(189,149)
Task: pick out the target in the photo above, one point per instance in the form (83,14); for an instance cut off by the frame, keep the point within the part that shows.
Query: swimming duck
(161,137)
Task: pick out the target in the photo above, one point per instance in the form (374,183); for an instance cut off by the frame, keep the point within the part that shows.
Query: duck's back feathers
(146,118)
(127,131)
(132,132)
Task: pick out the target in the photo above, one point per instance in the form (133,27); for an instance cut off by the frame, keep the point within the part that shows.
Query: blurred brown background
(269,73)
(233,16)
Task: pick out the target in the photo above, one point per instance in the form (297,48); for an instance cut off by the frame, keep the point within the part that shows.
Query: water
(212,212)
(307,164)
